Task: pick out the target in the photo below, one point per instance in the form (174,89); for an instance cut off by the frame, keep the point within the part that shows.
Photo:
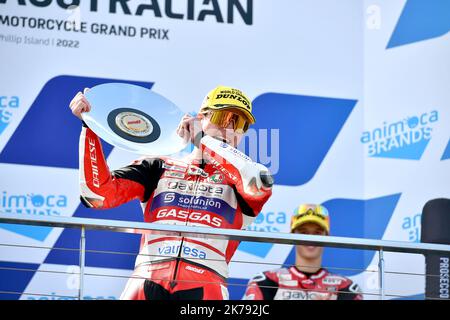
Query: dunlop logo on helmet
(234,97)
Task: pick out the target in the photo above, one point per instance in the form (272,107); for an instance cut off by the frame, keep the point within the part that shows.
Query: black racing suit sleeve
(268,288)
(246,209)
(350,292)
(147,173)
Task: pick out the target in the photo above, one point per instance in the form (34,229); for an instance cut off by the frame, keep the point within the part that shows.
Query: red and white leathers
(293,284)
(227,191)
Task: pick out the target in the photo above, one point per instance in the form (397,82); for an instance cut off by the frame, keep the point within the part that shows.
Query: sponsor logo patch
(332,281)
(199,217)
(194,269)
(174,174)
(185,250)
(196,171)
(216,177)
(174,167)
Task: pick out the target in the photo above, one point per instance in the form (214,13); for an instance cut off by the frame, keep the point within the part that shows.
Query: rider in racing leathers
(216,186)
(307,280)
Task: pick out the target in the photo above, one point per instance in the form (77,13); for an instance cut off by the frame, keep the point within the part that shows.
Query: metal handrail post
(82,257)
(381,273)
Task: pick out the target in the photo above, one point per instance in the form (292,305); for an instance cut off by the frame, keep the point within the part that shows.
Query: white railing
(84,224)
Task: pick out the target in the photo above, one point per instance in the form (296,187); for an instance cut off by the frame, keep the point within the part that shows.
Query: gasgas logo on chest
(199,217)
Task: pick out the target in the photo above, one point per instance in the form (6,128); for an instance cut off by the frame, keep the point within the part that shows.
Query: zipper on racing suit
(173,283)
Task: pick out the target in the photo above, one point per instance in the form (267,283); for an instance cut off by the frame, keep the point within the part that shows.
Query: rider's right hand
(189,127)
(79,104)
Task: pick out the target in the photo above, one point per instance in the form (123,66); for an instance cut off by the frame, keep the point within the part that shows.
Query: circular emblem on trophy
(134,124)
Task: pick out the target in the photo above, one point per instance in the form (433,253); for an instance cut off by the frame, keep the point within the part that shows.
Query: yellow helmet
(223,97)
(317,214)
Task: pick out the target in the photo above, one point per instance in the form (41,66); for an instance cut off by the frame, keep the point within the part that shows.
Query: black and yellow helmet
(222,97)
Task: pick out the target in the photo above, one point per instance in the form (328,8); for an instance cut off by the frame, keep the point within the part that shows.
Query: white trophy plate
(134,118)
